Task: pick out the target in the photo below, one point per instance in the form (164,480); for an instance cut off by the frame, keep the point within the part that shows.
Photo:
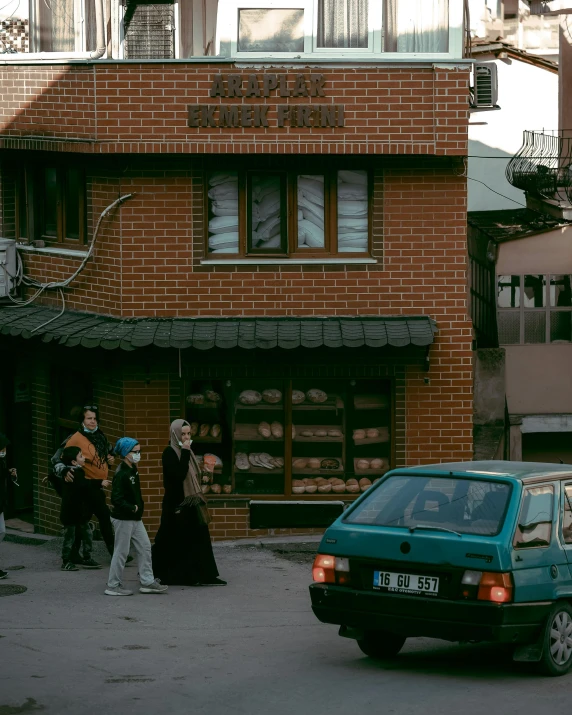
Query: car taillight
(331,569)
(487,586)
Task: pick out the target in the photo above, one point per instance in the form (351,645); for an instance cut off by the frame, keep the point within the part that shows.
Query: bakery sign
(236,86)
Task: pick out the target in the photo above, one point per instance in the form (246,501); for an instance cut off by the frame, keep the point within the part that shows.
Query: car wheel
(557,648)
(381,644)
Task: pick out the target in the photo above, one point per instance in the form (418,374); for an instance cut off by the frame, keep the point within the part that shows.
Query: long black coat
(4,476)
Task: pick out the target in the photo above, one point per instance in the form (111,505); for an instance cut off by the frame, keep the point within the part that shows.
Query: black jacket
(75,500)
(126,494)
(4,475)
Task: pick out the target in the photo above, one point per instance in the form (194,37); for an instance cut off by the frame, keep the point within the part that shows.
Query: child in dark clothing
(75,511)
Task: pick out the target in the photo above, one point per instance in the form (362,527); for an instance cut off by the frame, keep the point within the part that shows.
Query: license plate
(405,583)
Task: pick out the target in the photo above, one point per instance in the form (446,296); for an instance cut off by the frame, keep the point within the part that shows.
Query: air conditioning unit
(484,92)
(7,266)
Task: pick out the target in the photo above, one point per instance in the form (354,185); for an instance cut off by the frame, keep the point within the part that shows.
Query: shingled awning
(91,331)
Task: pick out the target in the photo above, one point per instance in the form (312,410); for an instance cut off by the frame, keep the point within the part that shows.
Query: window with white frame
(247,28)
(63,25)
(534,308)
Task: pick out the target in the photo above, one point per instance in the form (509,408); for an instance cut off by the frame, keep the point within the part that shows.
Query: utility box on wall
(294,514)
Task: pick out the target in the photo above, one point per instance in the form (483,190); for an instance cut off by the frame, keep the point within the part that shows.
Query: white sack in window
(352,208)
(224,208)
(351,225)
(314,235)
(273,242)
(261,189)
(226,250)
(309,215)
(353,177)
(222,178)
(312,190)
(268,228)
(348,238)
(314,177)
(223,240)
(269,205)
(228,190)
(351,191)
(223,224)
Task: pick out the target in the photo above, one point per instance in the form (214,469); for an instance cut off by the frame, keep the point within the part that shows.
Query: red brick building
(293,224)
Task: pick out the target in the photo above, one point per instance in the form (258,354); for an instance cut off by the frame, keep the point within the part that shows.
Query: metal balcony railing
(543,165)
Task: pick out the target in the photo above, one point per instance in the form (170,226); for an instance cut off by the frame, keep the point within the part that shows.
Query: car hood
(479,553)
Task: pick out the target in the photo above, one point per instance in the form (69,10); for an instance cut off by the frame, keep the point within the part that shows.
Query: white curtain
(63,25)
(343,23)
(417,26)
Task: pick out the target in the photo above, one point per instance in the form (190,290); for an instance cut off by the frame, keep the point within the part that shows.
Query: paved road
(253,648)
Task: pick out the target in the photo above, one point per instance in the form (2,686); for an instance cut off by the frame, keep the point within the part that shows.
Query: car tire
(557,646)
(381,645)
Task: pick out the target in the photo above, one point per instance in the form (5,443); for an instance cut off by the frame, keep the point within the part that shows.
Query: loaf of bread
(300,463)
(372,433)
(271,396)
(352,487)
(316,396)
(216,488)
(278,461)
(249,397)
(298,483)
(204,429)
(227,488)
(212,396)
(314,463)
(311,488)
(264,430)
(362,464)
(321,433)
(359,434)
(196,399)
(309,480)
(335,433)
(298,397)
(298,490)
(277,430)
(364,484)
(194,429)
(376,463)
(215,431)
(306,433)
(241,461)
(339,488)
(324,488)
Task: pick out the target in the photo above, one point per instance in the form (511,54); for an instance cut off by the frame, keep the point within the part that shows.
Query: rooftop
(508,224)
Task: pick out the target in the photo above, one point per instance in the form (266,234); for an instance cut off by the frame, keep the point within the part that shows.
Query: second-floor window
(50,201)
(285,213)
(534,308)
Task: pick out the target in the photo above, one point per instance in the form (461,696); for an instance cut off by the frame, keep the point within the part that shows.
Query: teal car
(472,551)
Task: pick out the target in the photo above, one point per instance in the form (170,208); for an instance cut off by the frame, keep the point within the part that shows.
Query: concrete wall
(539,379)
(549,252)
(489,386)
(528,97)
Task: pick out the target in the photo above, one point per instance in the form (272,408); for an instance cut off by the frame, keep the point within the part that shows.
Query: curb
(271,542)
(20,537)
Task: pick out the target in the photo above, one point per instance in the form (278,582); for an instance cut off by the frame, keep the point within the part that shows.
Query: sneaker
(214,582)
(3,574)
(128,560)
(90,564)
(119,591)
(68,566)
(154,587)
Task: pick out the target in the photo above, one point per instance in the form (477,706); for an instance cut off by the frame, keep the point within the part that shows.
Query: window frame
(227,33)
(523,310)
(294,252)
(121,8)
(553,518)
(30,182)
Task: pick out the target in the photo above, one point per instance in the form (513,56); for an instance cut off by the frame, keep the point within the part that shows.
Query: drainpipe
(50,56)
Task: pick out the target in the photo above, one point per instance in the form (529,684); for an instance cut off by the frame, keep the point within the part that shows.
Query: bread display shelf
(249,433)
(334,403)
(204,406)
(313,428)
(259,406)
(208,439)
(371,402)
(259,470)
(383,437)
(370,472)
(321,472)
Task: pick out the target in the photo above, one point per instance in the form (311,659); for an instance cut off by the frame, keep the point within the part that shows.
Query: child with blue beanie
(127,504)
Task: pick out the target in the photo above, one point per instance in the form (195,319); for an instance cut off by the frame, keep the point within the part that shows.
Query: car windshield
(465,506)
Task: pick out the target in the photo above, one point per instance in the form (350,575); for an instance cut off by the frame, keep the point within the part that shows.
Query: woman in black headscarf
(5,474)
(182,552)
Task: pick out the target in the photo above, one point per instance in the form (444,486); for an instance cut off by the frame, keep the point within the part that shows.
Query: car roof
(525,472)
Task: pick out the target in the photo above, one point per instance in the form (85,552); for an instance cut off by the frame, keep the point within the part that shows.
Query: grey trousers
(127,533)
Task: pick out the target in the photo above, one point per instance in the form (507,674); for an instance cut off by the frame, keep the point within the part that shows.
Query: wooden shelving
(244,432)
(371,402)
(383,437)
(308,472)
(313,428)
(334,402)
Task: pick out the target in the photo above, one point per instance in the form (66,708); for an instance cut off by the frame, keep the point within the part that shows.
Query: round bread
(306,433)
(298,490)
(271,396)
(362,464)
(216,488)
(321,480)
(194,429)
(364,481)
(264,430)
(250,397)
(314,463)
(364,487)
(352,481)
(227,488)
(317,396)
(204,429)
(311,488)
(300,463)
(339,488)
(196,399)
(372,433)
(298,483)
(335,433)
(352,488)
(277,430)
(215,431)
(298,397)
(212,396)
(376,464)
(321,433)
(359,434)
(310,482)
(338,481)
(333,480)
(325,488)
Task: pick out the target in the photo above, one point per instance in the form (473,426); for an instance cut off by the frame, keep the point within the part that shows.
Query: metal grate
(535,327)
(149,29)
(509,327)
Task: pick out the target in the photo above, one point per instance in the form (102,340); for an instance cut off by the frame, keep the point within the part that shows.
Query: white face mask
(2,455)
(135,457)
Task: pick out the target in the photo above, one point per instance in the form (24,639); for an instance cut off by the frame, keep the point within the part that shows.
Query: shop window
(310,437)
(149,29)
(534,309)
(289,213)
(294,27)
(51,199)
(534,526)
(58,23)
(71,391)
